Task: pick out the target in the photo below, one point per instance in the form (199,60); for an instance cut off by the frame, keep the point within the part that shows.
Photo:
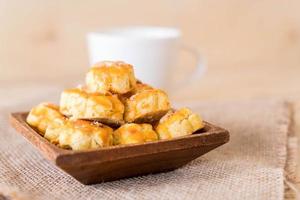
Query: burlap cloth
(255,164)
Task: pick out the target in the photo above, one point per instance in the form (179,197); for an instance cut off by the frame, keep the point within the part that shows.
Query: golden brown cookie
(42,115)
(146,105)
(79,104)
(53,130)
(134,133)
(80,135)
(178,123)
(111,77)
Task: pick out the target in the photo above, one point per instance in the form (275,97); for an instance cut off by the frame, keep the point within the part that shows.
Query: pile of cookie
(112,108)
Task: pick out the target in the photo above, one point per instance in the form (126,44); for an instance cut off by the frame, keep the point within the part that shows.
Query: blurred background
(252,47)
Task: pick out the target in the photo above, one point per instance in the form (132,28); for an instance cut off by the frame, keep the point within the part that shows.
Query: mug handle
(199,70)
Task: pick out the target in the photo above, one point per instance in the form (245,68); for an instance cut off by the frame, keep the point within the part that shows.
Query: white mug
(153,51)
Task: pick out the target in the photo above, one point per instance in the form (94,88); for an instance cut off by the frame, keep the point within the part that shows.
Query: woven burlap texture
(250,166)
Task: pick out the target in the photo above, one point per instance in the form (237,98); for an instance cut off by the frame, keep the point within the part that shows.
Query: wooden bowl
(122,161)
